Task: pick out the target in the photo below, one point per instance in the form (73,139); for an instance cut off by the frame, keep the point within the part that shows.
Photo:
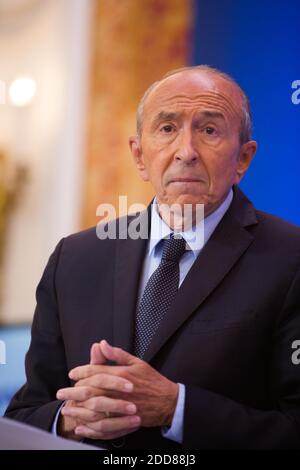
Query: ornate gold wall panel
(134,42)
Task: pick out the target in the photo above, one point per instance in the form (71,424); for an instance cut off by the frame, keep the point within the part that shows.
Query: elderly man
(167,342)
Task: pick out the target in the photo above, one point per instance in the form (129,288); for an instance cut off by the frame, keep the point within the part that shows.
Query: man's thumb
(97,356)
(117,355)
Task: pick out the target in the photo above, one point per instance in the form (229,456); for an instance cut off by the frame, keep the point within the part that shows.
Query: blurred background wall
(47,41)
(65,150)
(134,42)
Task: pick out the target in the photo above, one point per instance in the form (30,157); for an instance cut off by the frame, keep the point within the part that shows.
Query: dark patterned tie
(158,295)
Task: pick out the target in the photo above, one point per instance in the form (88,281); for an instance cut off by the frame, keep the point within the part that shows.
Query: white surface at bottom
(19,436)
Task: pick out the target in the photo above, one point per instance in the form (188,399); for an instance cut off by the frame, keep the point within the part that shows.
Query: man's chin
(188,199)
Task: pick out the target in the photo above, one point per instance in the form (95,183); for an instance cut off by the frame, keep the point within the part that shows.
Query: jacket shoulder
(277,223)
(92,235)
(279,230)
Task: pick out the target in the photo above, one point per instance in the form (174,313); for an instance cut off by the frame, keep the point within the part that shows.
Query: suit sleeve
(213,421)
(45,363)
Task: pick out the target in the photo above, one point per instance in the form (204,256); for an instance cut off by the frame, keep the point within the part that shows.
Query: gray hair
(246,119)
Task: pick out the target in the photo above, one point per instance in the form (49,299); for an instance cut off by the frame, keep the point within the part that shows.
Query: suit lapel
(227,244)
(128,269)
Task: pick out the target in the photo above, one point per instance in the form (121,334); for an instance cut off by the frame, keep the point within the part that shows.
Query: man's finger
(106,382)
(77,393)
(117,355)
(83,372)
(82,414)
(101,429)
(97,356)
(85,431)
(112,405)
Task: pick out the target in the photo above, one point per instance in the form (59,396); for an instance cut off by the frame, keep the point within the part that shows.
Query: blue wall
(258,43)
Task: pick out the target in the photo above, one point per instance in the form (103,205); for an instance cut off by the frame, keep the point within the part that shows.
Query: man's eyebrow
(165,116)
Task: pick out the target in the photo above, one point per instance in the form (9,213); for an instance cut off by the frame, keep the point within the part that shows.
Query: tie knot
(173,248)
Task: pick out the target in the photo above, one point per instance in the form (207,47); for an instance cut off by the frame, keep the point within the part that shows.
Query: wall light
(22,91)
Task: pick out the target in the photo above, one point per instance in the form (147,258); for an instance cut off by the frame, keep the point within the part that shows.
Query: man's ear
(138,157)
(247,152)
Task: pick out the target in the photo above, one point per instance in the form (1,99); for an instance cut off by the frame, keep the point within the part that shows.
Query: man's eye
(210,130)
(167,128)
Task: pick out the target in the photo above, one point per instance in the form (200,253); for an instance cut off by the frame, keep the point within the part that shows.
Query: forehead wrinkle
(210,108)
(197,103)
(206,98)
(210,114)
(216,105)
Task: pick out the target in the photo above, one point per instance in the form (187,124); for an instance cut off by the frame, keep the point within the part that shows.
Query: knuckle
(100,426)
(116,383)
(87,393)
(94,415)
(93,404)
(80,383)
(123,374)
(98,404)
(99,380)
(118,406)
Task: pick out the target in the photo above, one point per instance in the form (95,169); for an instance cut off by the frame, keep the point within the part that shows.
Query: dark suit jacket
(228,337)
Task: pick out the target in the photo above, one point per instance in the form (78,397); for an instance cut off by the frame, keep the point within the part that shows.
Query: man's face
(190,147)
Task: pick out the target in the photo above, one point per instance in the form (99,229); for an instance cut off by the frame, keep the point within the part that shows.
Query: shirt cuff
(175,432)
(54,425)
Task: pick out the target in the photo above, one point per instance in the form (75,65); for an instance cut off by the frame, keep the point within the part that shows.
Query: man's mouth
(185,180)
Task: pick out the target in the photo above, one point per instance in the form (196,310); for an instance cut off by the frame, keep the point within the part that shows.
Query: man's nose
(186,151)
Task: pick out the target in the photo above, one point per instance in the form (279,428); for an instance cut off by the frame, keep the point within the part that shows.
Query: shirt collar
(160,230)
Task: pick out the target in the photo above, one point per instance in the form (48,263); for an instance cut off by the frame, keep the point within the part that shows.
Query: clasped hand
(110,401)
